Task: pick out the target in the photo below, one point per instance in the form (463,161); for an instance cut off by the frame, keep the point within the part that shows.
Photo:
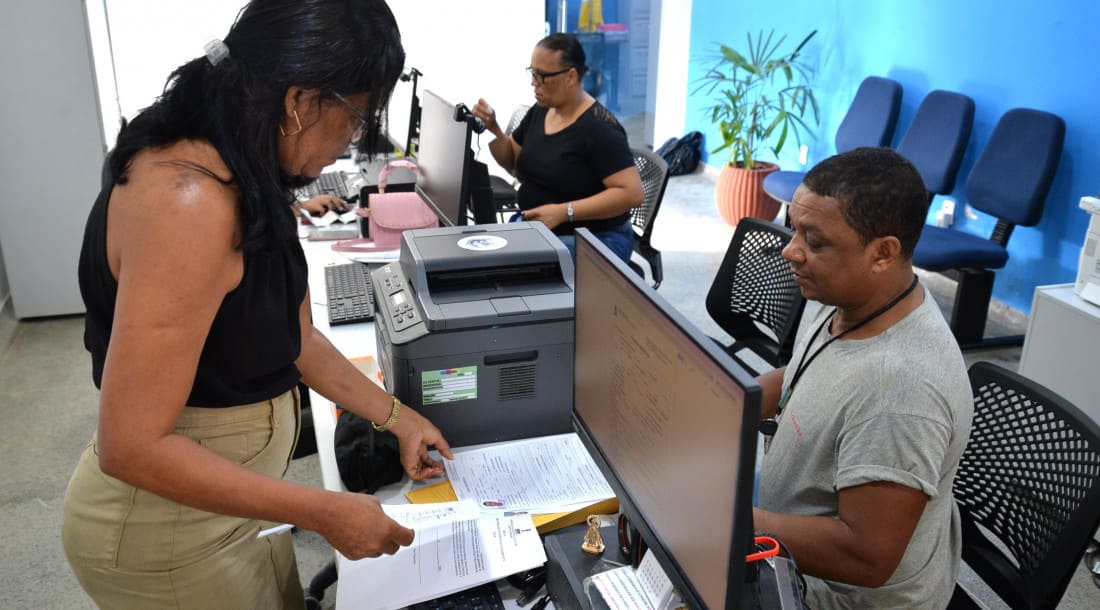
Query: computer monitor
(443,159)
(403,114)
(672,422)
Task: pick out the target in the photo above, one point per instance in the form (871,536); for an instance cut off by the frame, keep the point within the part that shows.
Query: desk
(353,341)
(1063,336)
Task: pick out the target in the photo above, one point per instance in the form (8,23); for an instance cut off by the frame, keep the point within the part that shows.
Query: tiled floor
(48,406)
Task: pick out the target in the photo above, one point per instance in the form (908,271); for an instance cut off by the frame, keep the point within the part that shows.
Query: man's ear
(885,252)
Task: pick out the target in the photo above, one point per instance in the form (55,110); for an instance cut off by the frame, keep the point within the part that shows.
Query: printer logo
(482,243)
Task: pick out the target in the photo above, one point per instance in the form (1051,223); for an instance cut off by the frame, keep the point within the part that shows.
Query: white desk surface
(353,341)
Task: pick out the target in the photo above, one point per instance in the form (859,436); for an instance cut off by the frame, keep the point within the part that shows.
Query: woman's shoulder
(181,168)
(599,115)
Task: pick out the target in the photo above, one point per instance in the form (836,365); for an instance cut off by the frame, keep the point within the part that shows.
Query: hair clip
(215,51)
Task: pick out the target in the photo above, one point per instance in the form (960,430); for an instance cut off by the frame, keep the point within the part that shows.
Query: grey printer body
(474,327)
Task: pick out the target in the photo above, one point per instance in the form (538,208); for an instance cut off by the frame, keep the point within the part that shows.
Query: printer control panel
(403,312)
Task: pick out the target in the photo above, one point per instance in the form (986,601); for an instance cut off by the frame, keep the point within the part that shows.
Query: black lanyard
(769,426)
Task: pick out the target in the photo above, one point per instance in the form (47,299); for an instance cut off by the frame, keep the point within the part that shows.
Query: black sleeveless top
(254,339)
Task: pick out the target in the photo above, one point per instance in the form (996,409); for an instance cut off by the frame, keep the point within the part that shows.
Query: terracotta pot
(740,192)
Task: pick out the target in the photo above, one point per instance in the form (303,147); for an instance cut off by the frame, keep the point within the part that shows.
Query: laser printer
(1088,267)
(474,326)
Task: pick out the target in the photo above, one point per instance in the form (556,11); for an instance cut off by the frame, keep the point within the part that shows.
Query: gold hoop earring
(298,126)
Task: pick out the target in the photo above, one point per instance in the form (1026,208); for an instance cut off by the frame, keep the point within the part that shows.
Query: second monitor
(444,159)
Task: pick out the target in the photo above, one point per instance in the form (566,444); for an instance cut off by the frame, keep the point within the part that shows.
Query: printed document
(450,553)
(547,474)
(628,589)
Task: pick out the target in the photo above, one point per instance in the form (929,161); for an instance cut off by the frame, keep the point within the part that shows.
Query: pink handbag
(391,214)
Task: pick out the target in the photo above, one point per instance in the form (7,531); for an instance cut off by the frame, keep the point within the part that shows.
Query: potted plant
(760,99)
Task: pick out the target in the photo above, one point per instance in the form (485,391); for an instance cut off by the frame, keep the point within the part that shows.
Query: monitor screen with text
(672,420)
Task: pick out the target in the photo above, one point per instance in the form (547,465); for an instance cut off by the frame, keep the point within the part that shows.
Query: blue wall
(1004,54)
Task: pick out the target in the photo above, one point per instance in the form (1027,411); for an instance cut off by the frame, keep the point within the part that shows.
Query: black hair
(572,53)
(880,193)
(335,46)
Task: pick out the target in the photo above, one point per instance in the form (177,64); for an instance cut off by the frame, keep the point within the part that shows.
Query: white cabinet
(51,152)
(1062,346)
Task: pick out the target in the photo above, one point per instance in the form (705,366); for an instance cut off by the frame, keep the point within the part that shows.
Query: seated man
(872,414)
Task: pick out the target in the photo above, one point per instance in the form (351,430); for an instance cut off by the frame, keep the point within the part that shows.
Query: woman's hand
(319,204)
(355,525)
(485,112)
(415,433)
(550,214)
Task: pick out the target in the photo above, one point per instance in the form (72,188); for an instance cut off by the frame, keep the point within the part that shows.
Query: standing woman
(569,152)
(198,320)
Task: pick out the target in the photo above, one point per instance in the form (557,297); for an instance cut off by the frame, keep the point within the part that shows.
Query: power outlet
(946,216)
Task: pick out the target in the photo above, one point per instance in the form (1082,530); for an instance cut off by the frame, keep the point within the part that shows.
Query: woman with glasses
(198,320)
(569,152)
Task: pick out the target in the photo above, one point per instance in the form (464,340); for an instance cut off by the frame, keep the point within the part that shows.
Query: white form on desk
(548,474)
(464,548)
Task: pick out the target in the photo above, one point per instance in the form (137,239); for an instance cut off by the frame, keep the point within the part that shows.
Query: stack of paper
(626,588)
(456,547)
(551,477)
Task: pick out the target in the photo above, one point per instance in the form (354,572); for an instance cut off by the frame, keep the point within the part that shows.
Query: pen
(278,529)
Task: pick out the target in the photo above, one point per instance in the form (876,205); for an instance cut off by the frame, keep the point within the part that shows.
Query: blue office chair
(936,139)
(870,121)
(1010,181)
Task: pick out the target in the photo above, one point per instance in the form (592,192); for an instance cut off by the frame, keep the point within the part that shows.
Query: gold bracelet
(392,419)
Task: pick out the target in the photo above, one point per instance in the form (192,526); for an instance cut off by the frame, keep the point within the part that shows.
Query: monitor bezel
(463,211)
(742,532)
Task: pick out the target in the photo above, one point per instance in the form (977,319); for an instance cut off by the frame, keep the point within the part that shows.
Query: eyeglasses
(358,133)
(540,76)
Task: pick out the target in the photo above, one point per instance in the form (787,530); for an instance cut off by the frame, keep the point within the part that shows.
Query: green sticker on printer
(448,385)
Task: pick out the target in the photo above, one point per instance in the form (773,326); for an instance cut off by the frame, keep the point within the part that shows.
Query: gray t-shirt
(896,407)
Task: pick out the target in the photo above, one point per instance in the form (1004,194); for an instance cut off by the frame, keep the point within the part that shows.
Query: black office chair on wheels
(1029,479)
(754,296)
(504,191)
(654,173)
(1009,181)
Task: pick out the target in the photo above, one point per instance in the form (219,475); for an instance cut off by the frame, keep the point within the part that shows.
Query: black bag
(682,154)
(366,459)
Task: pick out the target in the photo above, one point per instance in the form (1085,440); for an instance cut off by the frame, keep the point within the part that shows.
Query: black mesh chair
(504,191)
(1029,479)
(754,296)
(654,173)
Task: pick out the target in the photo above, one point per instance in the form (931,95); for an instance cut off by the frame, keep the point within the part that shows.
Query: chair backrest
(936,138)
(1030,475)
(1012,176)
(654,171)
(517,116)
(755,285)
(871,118)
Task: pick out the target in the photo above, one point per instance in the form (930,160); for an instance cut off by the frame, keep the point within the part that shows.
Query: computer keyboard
(350,296)
(328,183)
(481,597)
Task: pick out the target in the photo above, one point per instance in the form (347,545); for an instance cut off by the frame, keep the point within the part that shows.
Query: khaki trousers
(130,548)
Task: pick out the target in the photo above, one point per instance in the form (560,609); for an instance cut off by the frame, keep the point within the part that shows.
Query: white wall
(468,50)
